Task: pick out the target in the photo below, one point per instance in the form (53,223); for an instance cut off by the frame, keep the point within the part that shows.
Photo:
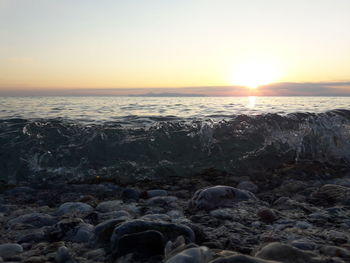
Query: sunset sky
(89,44)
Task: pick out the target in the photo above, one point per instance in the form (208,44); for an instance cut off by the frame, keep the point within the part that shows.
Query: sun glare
(255,74)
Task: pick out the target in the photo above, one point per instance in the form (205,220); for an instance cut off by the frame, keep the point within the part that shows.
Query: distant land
(339,88)
(167,94)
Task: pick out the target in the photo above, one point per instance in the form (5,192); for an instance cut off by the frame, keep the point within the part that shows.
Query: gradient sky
(167,43)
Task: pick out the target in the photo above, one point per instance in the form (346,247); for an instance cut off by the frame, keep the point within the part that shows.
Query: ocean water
(96,109)
(142,138)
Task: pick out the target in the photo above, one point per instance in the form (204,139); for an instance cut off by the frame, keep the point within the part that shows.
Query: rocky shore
(282,217)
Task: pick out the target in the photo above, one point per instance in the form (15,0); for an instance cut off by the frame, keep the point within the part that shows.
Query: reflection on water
(100,108)
(252,101)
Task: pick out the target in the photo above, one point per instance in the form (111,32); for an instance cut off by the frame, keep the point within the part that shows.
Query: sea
(78,138)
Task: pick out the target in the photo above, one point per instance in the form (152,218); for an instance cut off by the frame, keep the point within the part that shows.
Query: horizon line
(323,88)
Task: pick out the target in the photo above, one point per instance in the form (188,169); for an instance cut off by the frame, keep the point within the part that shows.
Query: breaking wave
(142,148)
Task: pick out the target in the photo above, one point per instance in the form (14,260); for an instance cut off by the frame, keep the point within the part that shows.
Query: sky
(113,44)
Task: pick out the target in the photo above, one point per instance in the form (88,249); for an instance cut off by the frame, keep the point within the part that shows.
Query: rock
(36,259)
(6,208)
(91,218)
(115,205)
(332,193)
(241,259)
(222,213)
(74,207)
(121,214)
(63,256)
(96,254)
(104,230)
(169,230)
(292,186)
(156,217)
(145,244)
(175,214)
(286,254)
(219,196)
(334,251)
(303,244)
(81,234)
(267,215)
(130,194)
(20,190)
(173,248)
(342,181)
(285,203)
(336,236)
(36,235)
(318,217)
(33,219)
(248,185)
(10,250)
(192,255)
(156,192)
(88,199)
(60,230)
(162,201)
(303,225)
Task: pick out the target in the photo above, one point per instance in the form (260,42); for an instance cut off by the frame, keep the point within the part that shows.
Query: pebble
(192,255)
(63,256)
(163,201)
(248,185)
(36,235)
(81,234)
(33,219)
(116,205)
(10,250)
(146,244)
(334,251)
(219,196)
(333,193)
(303,225)
(241,259)
(156,192)
(169,230)
(267,215)
(130,194)
(103,231)
(285,253)
(74,207)
(303,244)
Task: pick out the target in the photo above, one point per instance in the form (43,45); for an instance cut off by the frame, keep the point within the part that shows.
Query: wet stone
(192,255)
(248,185)
(33,219)
(156,192)
(74,207)
(145,244)
(285,253)
(130,194)
(10,250)
(169,230)
(267,215)
(219,196)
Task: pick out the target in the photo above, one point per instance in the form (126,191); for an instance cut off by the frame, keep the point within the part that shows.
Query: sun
(254,74)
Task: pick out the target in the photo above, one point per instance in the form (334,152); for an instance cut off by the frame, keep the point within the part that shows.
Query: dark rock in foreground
(284,221)
(219,196)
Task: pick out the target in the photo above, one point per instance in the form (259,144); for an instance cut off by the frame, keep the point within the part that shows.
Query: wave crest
(58,149)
